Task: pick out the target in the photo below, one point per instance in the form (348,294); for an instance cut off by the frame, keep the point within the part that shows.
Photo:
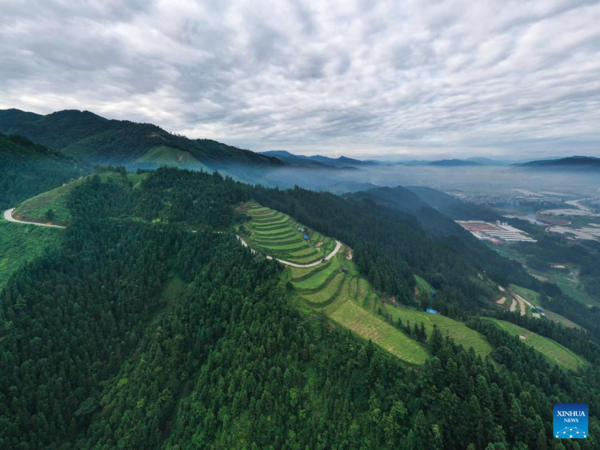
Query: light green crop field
(35,209)
(458,331)
(368,326)
(553,351)
(20,244)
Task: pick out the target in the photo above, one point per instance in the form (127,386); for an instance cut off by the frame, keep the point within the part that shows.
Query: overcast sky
(363,78)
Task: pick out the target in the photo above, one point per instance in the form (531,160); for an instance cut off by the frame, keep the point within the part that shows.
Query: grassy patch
(457,330)
(553,351)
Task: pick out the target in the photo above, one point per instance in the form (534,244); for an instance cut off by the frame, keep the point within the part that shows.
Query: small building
(430,311)
(301,230)
(538,309)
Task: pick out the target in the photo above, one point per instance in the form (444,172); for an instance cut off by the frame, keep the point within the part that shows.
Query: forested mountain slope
(146,329)
(27,169)
(97,140)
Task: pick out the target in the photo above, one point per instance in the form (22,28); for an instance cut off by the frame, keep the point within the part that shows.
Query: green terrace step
(273,221)
(353,288)
(272,226)
(287,247)
(317,282)
(273,233)
(276,242)
(305,252)
(265,218)
(304,274)
(328,295)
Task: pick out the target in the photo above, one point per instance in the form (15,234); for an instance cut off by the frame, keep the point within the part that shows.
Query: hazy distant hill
(487,161)
(319,160)
(453,163)
(452,206)
(573,163)
(296,160)
(404,200)
(95,139)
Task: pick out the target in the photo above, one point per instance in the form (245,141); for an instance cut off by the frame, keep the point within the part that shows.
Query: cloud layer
(444,78)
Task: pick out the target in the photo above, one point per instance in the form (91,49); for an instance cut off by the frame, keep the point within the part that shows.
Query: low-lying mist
(467,179)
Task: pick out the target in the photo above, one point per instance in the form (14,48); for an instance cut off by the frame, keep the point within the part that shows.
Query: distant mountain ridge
(572,163)
(318,160)
(454,163)
(98,140)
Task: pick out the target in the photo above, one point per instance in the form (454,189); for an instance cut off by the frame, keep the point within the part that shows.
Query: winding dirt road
(8,216)
(338,245)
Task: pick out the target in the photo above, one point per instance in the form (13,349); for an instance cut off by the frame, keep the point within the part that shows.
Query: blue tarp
(432,293)
(431,311)
(306,236)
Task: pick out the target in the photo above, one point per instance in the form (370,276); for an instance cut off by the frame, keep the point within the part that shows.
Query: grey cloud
(357,77)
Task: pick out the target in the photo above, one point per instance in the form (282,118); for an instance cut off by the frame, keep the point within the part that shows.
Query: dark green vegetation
(26,169)
(20,244)
(138,332)
(94,139)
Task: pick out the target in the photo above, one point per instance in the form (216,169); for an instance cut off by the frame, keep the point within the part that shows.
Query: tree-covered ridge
(20,244)
(27,169)
(95,139)
(140,335)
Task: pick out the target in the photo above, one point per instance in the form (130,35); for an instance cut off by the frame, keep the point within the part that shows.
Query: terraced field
(458,331)
(553,351)
(276,234)
(334,287)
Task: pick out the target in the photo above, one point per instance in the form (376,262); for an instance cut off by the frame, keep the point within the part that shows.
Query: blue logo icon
(570,421)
